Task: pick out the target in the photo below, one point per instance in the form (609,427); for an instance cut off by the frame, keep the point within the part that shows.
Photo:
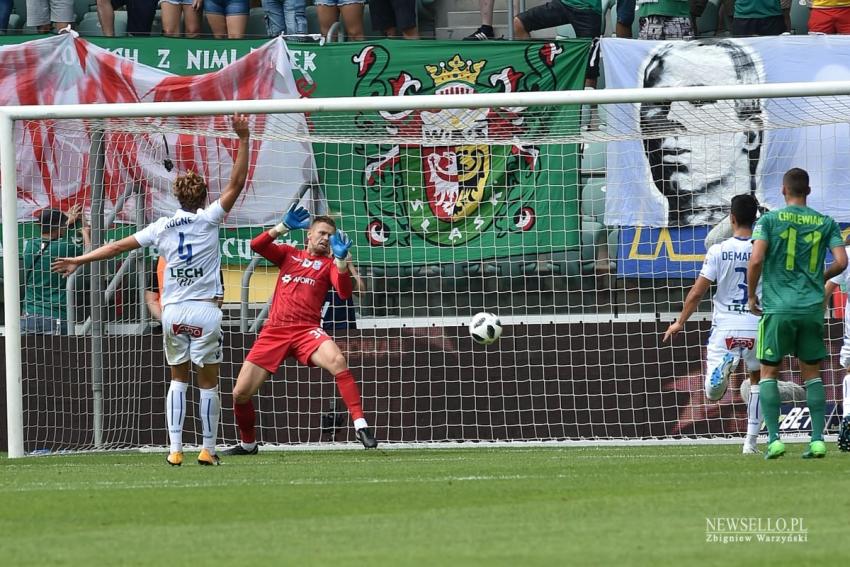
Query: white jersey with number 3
(726,265)
(189,243)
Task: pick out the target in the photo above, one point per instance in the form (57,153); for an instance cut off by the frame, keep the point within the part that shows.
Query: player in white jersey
(733,333)
(191,316)
(843,280)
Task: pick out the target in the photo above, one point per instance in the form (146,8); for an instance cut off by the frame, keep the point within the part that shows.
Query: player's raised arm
(239,173)
(341,277)
(691,303)
(69,265)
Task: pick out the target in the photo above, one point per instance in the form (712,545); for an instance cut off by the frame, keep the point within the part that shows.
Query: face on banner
(699,175)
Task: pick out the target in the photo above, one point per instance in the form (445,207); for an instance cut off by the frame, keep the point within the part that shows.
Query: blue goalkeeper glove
(296,217)
(340,244)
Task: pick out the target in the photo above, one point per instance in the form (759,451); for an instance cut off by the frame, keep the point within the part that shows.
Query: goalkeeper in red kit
(294,326)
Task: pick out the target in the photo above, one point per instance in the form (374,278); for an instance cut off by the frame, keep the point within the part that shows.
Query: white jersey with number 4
(726,265)
(189,243)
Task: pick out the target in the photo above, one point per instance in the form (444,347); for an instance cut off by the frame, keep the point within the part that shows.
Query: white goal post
(495,405)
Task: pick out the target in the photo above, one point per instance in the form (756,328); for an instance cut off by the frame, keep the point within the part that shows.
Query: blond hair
(191,191)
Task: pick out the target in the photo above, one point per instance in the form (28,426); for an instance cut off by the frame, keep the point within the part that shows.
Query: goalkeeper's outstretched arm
(691,303)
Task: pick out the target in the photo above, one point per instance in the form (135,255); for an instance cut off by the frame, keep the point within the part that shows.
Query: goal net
(530,208)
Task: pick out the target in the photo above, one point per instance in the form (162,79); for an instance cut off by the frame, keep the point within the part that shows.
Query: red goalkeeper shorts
(275,344)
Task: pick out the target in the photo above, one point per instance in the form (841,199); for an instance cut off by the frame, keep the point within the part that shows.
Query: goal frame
(10,115)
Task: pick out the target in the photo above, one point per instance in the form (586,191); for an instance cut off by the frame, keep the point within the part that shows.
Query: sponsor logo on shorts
(740,342)
(297,279)
(184,329)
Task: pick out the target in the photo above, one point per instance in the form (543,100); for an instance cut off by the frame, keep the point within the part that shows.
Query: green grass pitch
(494,506)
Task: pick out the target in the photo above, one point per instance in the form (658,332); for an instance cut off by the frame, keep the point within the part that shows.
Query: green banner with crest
(471,190)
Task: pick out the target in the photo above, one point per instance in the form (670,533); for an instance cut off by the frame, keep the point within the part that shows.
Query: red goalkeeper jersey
(302,284)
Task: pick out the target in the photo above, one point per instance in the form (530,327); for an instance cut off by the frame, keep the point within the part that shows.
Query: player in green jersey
(789,248)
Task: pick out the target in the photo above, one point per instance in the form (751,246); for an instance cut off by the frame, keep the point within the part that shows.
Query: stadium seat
(19,7)
(256,24)
(613,247)
(593,200)
(593,158)
(16,22)
(565,32)
(83,7)
(90,26)
(312,20)
(566,264)
(799,17)
(156,25)
(609,17)
(593,237)
(707,23)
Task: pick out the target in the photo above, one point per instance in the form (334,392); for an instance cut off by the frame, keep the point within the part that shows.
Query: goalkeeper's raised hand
(295,218)
(340,245)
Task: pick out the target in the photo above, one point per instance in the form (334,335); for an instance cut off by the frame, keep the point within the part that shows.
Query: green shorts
(799,334)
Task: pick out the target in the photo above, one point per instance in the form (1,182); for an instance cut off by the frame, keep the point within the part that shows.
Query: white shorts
(741,345)
(42,12)
(191,330)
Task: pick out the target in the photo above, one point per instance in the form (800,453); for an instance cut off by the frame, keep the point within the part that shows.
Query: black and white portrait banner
(686,160)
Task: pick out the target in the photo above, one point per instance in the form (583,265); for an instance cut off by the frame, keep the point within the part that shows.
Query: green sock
(816,400)
(769,398)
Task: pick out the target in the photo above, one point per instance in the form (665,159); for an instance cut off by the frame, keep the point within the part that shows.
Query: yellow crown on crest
(456,69)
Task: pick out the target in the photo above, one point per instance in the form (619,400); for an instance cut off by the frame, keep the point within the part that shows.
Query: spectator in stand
(227,18)
(44,15)
(584,15)
(5,14)
(140,15)
(45,305)
(758,17)
(485,31)
(352,16)
(625,18)
(664,19)
(189,10)
(288,17)
(394,16)
(829,16)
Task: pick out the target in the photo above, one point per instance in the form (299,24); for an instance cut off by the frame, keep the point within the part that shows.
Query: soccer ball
(485,328)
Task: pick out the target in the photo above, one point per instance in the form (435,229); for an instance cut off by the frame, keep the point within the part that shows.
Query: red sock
(350,393)
(245,420)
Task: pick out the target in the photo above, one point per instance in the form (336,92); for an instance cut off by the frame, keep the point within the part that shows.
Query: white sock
(248,446)
(846,395)
(210,409)
(175,413)
(360,423)
(753,412)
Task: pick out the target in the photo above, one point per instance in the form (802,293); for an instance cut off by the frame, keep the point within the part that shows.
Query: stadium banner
(672,178)
(53,156)
(675,252)
(468,193)
(181,56)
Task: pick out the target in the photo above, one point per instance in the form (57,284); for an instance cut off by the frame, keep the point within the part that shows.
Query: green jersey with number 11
(797,240)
